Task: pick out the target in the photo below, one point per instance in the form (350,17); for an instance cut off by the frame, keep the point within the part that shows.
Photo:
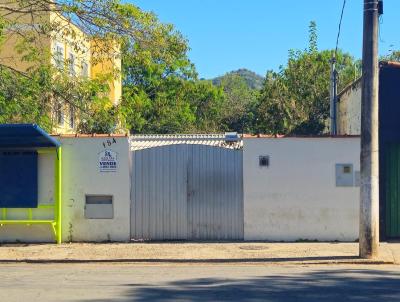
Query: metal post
(369,196)
(58,195)
(333,97)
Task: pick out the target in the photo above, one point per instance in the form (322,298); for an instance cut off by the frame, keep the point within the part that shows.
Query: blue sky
(226,35)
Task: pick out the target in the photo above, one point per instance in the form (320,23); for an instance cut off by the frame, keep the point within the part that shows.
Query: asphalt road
(198,282)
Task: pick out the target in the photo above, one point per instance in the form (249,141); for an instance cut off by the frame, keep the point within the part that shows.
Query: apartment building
(67,47)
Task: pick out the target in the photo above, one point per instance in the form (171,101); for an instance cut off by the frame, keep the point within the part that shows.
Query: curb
(273,261)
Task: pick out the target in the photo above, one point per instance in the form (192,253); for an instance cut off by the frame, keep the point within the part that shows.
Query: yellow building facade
(67,48)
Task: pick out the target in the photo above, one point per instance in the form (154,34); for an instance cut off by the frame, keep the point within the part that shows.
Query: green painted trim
(28,221)
(57,206)
(58,195)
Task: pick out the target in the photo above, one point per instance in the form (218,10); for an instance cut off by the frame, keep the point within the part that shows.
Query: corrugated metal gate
(187,191)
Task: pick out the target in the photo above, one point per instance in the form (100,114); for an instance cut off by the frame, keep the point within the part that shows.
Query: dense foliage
(161,89)
(295,100)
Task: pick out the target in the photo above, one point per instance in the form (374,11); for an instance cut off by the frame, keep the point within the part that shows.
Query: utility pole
(333,96)
(369,193)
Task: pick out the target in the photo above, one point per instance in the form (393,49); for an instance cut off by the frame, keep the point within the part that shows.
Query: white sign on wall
(108,161)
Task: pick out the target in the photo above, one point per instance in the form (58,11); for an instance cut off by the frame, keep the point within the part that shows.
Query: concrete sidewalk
(243,252)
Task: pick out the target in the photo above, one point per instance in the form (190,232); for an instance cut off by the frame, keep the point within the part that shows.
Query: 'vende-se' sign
(108,161)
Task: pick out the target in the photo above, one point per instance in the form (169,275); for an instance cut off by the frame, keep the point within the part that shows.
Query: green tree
(296,99)
(206,101)
(276,111)
(239,100)
(162,93)
(154,72)
(168,110)
(394,56)
(23,99)
(138,32)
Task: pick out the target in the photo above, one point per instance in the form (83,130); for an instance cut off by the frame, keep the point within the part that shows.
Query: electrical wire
(340,27)
(379,28)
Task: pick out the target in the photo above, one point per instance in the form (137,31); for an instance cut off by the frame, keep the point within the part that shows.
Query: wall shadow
(321,285)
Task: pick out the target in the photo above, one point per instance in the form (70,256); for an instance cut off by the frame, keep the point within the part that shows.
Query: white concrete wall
(296,196)
(349,110)
(80,176)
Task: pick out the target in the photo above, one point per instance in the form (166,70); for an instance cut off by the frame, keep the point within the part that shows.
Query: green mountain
(253,80)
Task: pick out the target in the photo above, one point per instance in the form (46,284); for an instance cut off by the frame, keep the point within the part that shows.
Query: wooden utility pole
(369,203)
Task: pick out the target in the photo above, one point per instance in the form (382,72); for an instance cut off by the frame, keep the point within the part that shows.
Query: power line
(333,80)
(340,27)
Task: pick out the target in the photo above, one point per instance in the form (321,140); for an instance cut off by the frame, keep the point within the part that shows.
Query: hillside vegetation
(252,79)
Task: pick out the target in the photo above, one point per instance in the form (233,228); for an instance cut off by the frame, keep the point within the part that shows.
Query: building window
(59,114)
(85,70)
(71,116)
(71,62)
(59,56)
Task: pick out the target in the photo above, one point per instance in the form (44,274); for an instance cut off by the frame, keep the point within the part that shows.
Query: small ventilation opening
(263,161)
